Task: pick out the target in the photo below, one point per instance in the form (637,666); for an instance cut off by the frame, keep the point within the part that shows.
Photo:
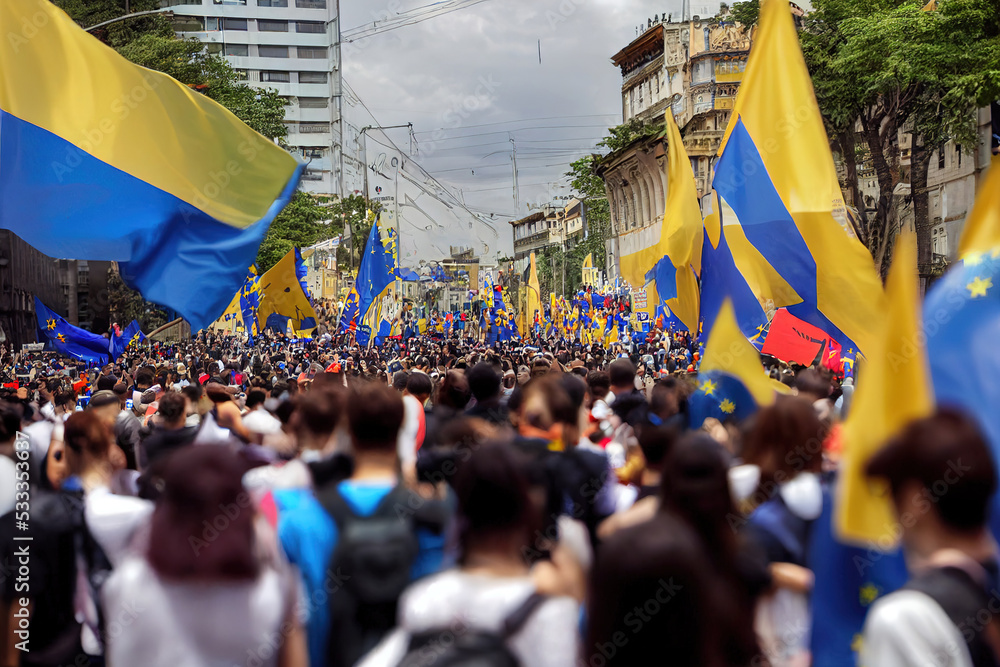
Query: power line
(412,17)
(525,120)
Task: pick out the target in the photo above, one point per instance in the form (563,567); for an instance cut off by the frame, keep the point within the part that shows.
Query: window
(275,77)
(185,2)
(941,159)
(213,47)
(314,128)
(310,175)
(212,24)
(272,51)
(310,26)
(310,4)
(234,24)
(313,77)
(237,50)
(314,102)
(313,53)
(272,3)
(272,26)
(188,24)
(314,151)
(958,153)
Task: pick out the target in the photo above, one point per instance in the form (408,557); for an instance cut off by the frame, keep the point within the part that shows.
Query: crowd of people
(438,501)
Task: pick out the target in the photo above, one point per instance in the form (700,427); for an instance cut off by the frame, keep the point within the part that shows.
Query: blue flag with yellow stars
(731,381)
(131,334)
(376,273)
(962,322)
(63,337)
(250,302)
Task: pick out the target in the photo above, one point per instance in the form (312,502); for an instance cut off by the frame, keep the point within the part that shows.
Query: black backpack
(471,648)
(371,566)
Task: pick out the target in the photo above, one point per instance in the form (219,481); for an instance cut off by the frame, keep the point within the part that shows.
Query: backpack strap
(336,505)
(517,618)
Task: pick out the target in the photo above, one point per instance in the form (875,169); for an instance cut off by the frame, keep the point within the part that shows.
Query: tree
(125,304)
(88,13)
(360,215)
(746,13)
(299,225)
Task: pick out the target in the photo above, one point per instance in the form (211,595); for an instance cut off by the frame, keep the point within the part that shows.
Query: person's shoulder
(906,611)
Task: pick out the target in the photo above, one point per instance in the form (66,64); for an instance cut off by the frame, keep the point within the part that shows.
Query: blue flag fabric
(375,273)
(131,333)
(302,272)
(848,580)
(962,323)
(721,396)
(63,337)
(250,302)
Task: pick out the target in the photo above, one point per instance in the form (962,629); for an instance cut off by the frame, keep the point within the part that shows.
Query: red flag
(831,358)
(794,340)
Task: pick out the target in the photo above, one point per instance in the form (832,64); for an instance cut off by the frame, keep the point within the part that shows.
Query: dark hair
(576,390)
(621,372)
(63,397)
(786,439)
(203,494)
(172,407)
(399,380)
(193,392)
(492,489)
(419,384)
(120,389)
(374,415)
(10,420)
(143,378)
(255,397)
(599,383)
(318,412)
(656,443)
(87,435)
(810,381)
(928,451)
(453,392)
(106,383)
(484,381)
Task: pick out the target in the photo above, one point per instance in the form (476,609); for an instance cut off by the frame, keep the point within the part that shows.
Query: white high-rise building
(290,46)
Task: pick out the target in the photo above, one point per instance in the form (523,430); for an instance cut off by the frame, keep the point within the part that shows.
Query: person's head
(399,380)
(811,384)
(106,406)
(484,382)
(316,416)
(664,400)
(545,407)
(374,417)
(199,483)
(106,383)
(621,374)
(143,379)
(453,392)
(497,514)
(173,409)
(64,400)
(193,392)
(539,367)
(419,386)
(122,392)
(599,383)
(87,441)
(255,398)
(48,389)
(941,477)
(786,438)
(656,443)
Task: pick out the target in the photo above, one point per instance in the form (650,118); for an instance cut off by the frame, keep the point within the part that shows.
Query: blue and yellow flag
(349,313)
(962,322)
(63,337)
(677,268)
(376,274)
(781,209)
(282,294)
(106,160)
(120,343)
(250,303)
(731,380)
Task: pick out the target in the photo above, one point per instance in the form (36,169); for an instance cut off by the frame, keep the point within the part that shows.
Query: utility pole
(338,96)
(513,158)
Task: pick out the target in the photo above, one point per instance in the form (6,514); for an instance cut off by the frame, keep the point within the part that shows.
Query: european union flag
(250,302)
(67,339)
(731,380)
(349,314)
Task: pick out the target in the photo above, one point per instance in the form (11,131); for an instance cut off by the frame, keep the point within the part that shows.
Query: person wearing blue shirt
(309,534)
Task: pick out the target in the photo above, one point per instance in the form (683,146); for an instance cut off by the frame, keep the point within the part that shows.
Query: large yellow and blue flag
(675,271)
(106,160)
(731,380)
(250,303)
(349,313)
(284,300)
(783,220)
(63,337)
(120,343)
(962,322)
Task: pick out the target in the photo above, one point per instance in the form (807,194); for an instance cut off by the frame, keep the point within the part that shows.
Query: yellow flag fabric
(729,351)
(588,261)
(778,187)
(533,300)
(982,229)
(893,390)
(282,293)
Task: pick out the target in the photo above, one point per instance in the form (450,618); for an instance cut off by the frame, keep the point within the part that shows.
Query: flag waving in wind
(781,209)
(106,160)
(67,339)
(376,273)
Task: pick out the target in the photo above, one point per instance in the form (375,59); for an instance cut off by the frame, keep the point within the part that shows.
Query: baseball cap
(102,398)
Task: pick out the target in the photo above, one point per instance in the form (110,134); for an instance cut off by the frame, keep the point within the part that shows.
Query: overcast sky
(468,78)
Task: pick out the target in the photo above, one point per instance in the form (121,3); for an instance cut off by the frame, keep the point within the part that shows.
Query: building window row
(211,24)
(301,4)
(265,51)
(270,76)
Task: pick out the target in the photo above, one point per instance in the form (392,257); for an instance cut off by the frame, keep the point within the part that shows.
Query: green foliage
(91,12)
(621,136)
(125,304)
(299,225)
(361,215)
(188,62)
(746,13)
